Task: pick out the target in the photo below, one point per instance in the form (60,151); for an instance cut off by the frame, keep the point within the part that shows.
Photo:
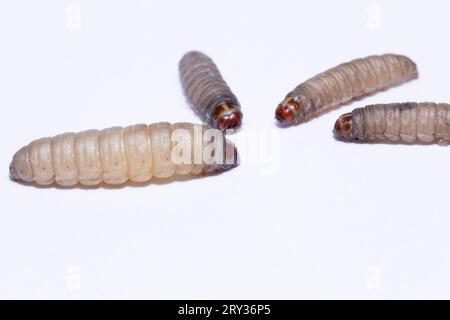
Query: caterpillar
(342,84)
(117,154)
(207,92)
(406,122)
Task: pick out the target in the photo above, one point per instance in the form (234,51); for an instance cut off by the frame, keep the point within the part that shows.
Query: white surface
(333,220)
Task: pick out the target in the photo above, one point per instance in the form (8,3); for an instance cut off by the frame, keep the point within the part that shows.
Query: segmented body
(344,83)
(207,92)
(406,122)
(118,154)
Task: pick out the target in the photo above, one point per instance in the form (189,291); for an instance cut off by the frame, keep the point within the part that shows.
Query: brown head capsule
(342,84)
(116,155)
(290,111)
(227,116)
(208,93)
(287,110)
(343,127)
(407,122)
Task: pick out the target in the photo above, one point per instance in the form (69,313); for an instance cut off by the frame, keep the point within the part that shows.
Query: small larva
(118,154)
(406,122)
(208,93)
(342,84)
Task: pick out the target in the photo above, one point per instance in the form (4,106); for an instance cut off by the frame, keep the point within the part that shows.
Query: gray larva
(406,122)
(208,93)
(342,84)
(118,154)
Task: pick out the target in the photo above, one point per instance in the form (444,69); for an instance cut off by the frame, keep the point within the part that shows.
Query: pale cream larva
(117,155)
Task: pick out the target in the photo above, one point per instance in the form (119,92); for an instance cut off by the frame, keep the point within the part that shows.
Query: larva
(406,122)
(118,154)
(208,93)
(342,84)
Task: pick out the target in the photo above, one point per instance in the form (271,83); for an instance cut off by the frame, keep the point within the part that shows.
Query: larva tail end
(286,111)
(343,127)
(13,172)
(20,167)
(227,116)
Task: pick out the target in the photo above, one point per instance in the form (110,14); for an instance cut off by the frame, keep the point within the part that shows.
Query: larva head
(294,110)
(287,110)
(227,116)
(228,159)
(343,129)
(231,156)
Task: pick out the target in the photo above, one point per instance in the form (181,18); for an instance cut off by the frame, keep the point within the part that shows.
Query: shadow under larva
(207,92)
(408,122)
(342,84)
(116,155)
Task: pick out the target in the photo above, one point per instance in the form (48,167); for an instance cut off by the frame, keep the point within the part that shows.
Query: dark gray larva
(208,93)
(342,84)
(407,122)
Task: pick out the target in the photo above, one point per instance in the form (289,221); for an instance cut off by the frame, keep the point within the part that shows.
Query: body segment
(342,84)
(117,154)
(208,93)
(407,122)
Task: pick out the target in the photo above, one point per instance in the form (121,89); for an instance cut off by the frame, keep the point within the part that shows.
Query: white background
(334,220)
